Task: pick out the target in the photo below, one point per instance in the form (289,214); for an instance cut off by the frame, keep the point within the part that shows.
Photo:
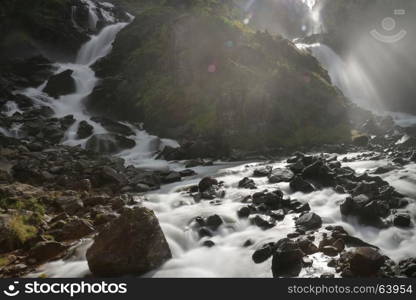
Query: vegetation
(194,70)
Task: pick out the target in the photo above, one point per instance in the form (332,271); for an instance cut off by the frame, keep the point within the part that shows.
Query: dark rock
(69,204)
(114,126)
(109,143)
(309,221)
(330,251)
(133,244)
(263,223)
(46,251)
(187,173)
(60,84)
(206,184)
(247,183)
(366,261)
(263,254)
(307,246)
(244,212)
(74,229)
(84,130)
(208,244)
(300,185)
(402,220)
(204,232)
(172,177)
(280,175)
(213,222)
(287,259)
(262,172)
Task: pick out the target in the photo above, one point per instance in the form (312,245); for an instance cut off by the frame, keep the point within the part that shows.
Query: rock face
(133,244)
(60,84)
(222,92)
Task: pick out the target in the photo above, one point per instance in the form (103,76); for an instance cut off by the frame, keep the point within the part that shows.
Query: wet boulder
(109,143)
(47,250)
(133,244)
(114,126)
(287,259)
(60,84)
(366,262)
(85,130)
(247,183)
(308,221)
(280,175)
(264,253)
(298,184)
(262,172)
(402,220)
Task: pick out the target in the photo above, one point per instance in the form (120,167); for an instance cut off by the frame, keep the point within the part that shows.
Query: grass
(21,229)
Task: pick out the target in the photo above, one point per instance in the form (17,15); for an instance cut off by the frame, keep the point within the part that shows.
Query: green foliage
(32,205)
(196,69)
(22,229)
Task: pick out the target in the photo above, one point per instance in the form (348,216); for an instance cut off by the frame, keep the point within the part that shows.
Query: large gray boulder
(133,244)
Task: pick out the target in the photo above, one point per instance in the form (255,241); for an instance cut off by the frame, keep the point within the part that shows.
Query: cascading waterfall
(176,210)
(349,77)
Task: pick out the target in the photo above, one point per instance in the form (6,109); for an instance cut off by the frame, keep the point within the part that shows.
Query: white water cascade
(176,210)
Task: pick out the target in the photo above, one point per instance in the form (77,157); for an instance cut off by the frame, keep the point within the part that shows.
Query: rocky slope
(192,71)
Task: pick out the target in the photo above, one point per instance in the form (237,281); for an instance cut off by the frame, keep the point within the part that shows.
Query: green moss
(32,204)
(21,228)
(4,261)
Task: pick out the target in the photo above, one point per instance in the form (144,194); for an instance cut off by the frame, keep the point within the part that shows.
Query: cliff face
(192,69)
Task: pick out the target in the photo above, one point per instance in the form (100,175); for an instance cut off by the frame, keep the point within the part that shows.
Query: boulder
(366,261)
(60,84)
(247,183)
(114,126)
(74,229)
(263,254)
(402,220)
(308,221)
(287,259)
(46,250)
(281,175)
(85,130)
(206,184)
(298,184)
(109,143)
(262,172)
(133,244)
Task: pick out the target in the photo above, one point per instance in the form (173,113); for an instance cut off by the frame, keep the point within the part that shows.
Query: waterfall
(99,46)
(348,76)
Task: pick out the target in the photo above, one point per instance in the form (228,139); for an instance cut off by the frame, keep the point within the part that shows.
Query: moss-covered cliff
(191,69)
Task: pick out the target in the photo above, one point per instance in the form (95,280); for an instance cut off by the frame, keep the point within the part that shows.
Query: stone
(281,175)
(330,251)
(107,143)
(308,221)
(247,183)
(262,172)
(261,255)
(402,220)
(46,251)
(298,184)
(74,229)
(206,183)
(85,130)
(366,261)
(60,84)
(133,244)
(213,222)
(287,259)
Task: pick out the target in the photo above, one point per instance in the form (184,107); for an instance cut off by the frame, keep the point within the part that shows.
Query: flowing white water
(176,210)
